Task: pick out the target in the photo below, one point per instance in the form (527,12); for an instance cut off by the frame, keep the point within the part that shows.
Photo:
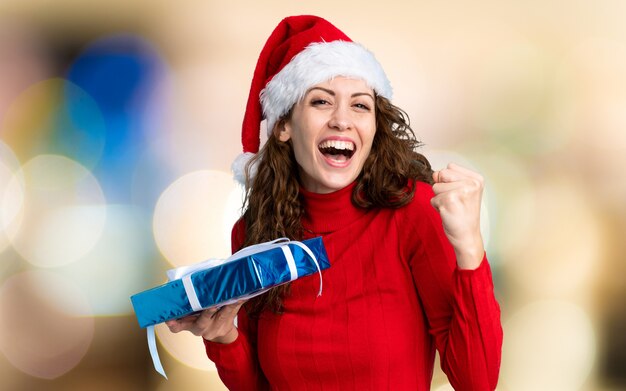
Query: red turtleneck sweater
(392,295)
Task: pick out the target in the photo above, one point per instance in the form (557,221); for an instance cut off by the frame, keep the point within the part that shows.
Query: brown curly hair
(273,208)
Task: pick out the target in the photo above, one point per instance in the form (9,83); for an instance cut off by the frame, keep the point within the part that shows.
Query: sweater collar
(326,213)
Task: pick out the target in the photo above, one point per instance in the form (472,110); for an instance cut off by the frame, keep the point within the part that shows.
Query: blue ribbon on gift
(247,273)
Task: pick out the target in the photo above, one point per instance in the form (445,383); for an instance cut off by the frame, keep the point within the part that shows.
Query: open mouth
(336,150)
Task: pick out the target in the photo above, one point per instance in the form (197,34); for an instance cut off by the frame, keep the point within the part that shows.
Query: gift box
(211,283)
(247,273)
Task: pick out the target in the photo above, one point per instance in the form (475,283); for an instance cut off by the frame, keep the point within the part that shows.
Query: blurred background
(119,121)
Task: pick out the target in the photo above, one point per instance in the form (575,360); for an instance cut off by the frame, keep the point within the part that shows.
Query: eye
(362,106)
(319,102)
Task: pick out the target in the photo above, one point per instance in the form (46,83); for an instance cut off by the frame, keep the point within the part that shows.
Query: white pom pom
(239,167)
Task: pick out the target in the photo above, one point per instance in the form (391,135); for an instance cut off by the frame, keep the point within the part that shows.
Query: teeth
(340,145)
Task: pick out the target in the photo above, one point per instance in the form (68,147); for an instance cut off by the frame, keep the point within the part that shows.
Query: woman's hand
(458,194)
(213,324)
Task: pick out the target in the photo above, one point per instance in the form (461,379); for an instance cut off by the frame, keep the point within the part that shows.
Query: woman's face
(331,129)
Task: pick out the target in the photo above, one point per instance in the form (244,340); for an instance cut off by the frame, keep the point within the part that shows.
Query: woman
(408,269)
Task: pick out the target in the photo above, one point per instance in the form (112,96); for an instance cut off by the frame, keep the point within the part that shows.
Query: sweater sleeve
(461,309)
(237,362)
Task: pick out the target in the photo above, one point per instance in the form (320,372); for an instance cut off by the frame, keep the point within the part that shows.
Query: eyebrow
(332,93)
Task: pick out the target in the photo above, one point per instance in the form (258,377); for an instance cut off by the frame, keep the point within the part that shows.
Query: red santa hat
(301,51)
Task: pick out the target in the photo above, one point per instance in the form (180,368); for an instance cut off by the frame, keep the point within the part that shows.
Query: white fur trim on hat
(239,167)
(317,63)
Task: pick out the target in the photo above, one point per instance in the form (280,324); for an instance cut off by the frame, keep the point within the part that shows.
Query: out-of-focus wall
(119,121)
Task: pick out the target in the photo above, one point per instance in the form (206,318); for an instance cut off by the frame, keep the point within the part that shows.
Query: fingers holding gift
(181,324)
(214,324)
(218,325)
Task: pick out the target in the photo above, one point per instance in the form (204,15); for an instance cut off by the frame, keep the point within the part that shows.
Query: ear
(283,130)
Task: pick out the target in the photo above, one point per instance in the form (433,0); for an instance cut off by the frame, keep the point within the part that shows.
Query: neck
(326,213)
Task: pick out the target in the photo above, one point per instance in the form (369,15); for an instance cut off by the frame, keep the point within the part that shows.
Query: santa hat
(301,51)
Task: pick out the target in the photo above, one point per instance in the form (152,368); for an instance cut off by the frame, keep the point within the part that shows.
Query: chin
(337,183)
(327,182)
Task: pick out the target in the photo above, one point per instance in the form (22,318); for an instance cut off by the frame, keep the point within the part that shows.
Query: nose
(341,119)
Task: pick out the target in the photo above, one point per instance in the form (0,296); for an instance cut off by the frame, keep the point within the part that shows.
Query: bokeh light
(551,346)
(563,257)
(506,179)
(194,216)
(11,197)
(183,377)
(28,123)
(593,93)
(24,61)
(45,323)
(184,347)
(79,130)
(203,129)
(122,72)
(509,95)
(119,121)
(57,117)
(120,263)
(64,212)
